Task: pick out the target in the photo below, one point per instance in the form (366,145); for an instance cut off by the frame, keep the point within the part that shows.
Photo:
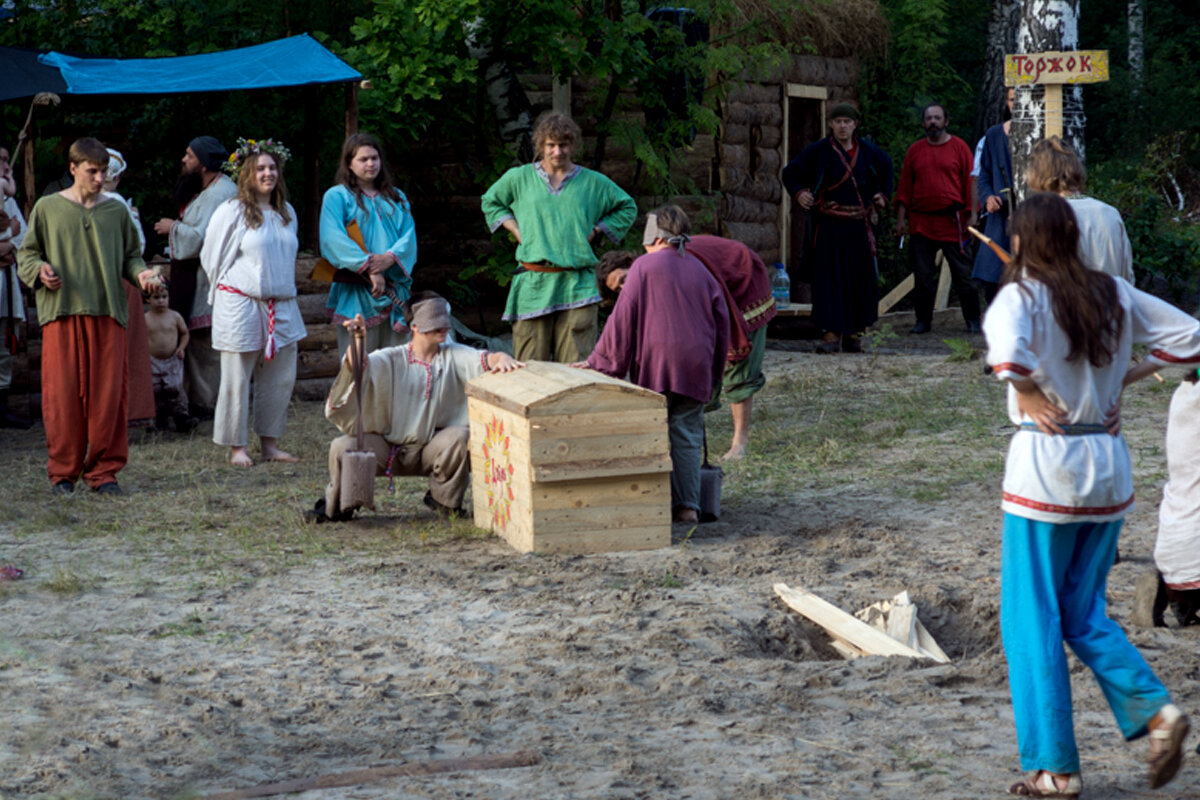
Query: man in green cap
(842,182)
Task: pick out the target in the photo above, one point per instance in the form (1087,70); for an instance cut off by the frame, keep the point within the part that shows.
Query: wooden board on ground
(898,618)
(842,625)
(795,310)
(943,288)
(896,295)
(942,299)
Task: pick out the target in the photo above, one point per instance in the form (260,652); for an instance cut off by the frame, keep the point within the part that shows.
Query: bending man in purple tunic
(669,332)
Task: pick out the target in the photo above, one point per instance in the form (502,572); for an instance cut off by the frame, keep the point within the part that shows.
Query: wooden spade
(358,465)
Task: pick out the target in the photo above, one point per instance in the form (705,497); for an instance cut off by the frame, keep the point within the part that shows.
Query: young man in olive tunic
(555,209)
(79,246)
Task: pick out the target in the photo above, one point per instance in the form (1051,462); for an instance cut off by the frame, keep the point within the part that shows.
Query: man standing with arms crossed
(201,188)
(933,203)
(79,246)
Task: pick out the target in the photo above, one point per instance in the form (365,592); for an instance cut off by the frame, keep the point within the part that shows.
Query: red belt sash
(271,348)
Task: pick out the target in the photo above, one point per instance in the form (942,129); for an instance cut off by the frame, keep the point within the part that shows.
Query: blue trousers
(1053,591)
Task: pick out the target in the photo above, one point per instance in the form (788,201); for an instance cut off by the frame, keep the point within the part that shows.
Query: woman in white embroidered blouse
(249,256)
(1061,335)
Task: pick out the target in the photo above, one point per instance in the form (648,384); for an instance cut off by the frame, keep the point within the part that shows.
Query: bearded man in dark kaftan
(843,182)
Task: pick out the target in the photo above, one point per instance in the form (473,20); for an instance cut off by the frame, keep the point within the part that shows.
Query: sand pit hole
(964,624)
(782,635)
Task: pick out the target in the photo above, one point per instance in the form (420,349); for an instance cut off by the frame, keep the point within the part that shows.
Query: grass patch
(191,626)
(961,350)
(188,512)
(914,428)
(68,582)
(667,579)
(884,429)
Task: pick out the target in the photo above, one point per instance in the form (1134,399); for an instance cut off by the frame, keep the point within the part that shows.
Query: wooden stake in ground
(521,758)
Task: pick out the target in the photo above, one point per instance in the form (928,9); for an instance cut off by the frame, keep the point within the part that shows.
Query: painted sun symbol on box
(497,472)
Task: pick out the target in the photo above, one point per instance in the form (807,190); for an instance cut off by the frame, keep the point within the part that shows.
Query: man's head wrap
(209,152)
(116,165)
(844,110)
(431,315)
(653,233)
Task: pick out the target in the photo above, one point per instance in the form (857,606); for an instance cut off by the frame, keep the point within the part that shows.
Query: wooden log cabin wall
(763,126)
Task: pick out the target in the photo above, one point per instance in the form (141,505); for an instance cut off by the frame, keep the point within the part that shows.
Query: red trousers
(85,397)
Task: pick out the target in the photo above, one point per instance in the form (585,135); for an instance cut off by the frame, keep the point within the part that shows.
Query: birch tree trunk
(1045,25)
(1001,40)
(1137,48)
(508,100)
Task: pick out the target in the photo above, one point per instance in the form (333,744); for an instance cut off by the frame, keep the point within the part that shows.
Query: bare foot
(271,451)
(737,451)
(239,457)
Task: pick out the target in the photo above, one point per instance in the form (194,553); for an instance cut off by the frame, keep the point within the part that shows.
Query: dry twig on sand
(521,758)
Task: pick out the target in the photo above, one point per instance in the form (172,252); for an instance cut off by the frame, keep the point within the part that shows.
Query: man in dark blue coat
(996,192)
(843,182)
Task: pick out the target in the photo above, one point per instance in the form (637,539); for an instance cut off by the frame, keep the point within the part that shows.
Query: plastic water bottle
(781,286)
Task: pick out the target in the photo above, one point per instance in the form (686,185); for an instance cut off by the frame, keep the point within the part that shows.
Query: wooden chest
(568,460)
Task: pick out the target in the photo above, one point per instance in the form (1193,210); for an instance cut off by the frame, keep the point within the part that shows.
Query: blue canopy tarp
(295,61)
(22,75)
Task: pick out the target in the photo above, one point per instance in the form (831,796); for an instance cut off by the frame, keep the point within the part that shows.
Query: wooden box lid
(546,389)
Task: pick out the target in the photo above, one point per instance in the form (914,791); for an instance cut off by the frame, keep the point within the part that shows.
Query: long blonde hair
(248,195)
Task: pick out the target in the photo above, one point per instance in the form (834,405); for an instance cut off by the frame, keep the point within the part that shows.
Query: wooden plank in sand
(929,646)
(842,625)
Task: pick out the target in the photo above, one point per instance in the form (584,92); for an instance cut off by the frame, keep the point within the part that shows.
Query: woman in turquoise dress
(366,202)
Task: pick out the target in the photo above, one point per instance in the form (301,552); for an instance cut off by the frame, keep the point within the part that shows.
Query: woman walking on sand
(1061,335)
(249,256)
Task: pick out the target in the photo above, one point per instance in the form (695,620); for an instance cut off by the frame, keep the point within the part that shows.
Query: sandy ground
(674,673)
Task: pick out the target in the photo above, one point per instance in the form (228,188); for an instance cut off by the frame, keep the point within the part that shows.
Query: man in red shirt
(933,203)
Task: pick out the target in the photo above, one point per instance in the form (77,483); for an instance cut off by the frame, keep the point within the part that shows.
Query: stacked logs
(750,167)
(750,148)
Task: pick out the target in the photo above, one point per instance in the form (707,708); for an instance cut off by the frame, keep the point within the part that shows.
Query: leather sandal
(1045,784)
(1166,745)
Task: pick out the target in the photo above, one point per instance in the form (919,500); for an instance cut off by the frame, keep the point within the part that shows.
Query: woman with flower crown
(249,256)
(367,233)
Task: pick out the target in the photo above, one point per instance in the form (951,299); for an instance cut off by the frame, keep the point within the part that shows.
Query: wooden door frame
(807,92)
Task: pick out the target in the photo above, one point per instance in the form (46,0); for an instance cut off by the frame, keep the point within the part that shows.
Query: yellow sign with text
(1080,66)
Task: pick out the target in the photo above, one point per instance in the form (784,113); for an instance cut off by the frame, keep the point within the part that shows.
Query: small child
(168,338)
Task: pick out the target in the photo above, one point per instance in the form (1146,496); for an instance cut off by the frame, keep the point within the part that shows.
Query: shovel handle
(358,346)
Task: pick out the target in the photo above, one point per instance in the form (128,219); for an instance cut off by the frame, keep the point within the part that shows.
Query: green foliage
(1119,121)
(153,130)
(961,350)
(422,60)
(67,582)
(918,69)
(1166,250)
(415,51)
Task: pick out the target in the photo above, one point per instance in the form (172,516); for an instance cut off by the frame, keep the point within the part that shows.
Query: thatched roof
(833,28)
